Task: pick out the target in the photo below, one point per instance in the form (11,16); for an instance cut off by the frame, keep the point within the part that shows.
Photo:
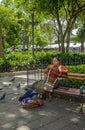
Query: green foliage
(20,60)
(77,68)
(7,16)
(9,24)
(15,61)
(40,41)
(47,5)
(66,58)
(75,39)
(71,83)
(81,32)
(4,65)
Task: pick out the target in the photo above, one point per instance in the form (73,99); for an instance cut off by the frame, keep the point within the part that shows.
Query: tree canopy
(65,12)
(52,18)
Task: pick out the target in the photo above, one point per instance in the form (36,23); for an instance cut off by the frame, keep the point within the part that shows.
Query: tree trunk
(59,42)
(59,46)
(61,36)
(68,41)
(27,41)
(1,46)
(82,46)
(62,44)
(82,42)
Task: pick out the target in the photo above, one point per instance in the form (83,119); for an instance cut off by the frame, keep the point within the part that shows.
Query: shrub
(4,65)
(19,60)
(71,83)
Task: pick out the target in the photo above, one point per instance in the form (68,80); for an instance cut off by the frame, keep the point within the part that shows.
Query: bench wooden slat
(76,74)
(69,91)
(74,78)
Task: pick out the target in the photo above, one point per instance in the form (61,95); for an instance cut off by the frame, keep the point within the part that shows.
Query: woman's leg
(48,96)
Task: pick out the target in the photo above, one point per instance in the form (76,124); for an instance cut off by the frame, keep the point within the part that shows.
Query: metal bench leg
(81,108)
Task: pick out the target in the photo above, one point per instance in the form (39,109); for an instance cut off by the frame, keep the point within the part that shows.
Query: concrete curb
(13,73)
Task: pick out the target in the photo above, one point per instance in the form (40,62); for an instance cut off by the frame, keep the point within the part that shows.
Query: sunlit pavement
(59,114)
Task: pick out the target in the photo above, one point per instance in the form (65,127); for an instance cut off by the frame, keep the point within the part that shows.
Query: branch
(56,14)
(73,18)
(77,4)
(78,11)
(65,11)
(55,26)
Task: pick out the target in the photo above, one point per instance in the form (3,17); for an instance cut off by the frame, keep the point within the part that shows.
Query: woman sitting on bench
(52,72)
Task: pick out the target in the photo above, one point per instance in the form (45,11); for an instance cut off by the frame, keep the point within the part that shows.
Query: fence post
(27,75)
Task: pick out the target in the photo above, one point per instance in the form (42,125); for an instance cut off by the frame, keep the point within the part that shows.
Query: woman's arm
(48,68)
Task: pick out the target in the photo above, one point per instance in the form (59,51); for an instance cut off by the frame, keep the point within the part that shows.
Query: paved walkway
(59,114)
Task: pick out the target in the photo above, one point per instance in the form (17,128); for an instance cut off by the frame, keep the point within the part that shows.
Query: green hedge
(15,61)
(76,68)
(20,60)
(66,58)
(71,83)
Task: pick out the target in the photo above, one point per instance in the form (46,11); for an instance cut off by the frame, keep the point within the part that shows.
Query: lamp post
(32,13)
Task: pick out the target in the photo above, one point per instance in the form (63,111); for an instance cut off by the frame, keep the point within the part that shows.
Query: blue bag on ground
(29,93)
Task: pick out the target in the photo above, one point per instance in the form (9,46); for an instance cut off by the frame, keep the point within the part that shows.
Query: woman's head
(55,61)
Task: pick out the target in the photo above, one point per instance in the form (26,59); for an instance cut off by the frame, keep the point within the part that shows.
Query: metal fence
(35,73)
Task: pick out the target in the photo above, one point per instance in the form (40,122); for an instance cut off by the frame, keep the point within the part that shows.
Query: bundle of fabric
(38,86)
(28,94)
(30,99)
(35,103)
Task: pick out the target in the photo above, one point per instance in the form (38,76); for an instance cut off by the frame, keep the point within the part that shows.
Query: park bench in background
(72,91)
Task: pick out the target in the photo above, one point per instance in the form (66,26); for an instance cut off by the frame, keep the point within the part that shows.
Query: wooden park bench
(61,90)
(72,91)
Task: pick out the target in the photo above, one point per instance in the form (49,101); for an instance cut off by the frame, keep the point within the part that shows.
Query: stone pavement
(59,114)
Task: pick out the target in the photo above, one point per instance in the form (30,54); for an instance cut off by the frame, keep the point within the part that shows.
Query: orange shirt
(54,72)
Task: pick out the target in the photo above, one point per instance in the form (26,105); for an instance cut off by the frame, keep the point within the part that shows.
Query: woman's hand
(62,69)
(51,66)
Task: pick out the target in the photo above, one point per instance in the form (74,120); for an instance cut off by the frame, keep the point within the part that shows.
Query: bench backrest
(74,76)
